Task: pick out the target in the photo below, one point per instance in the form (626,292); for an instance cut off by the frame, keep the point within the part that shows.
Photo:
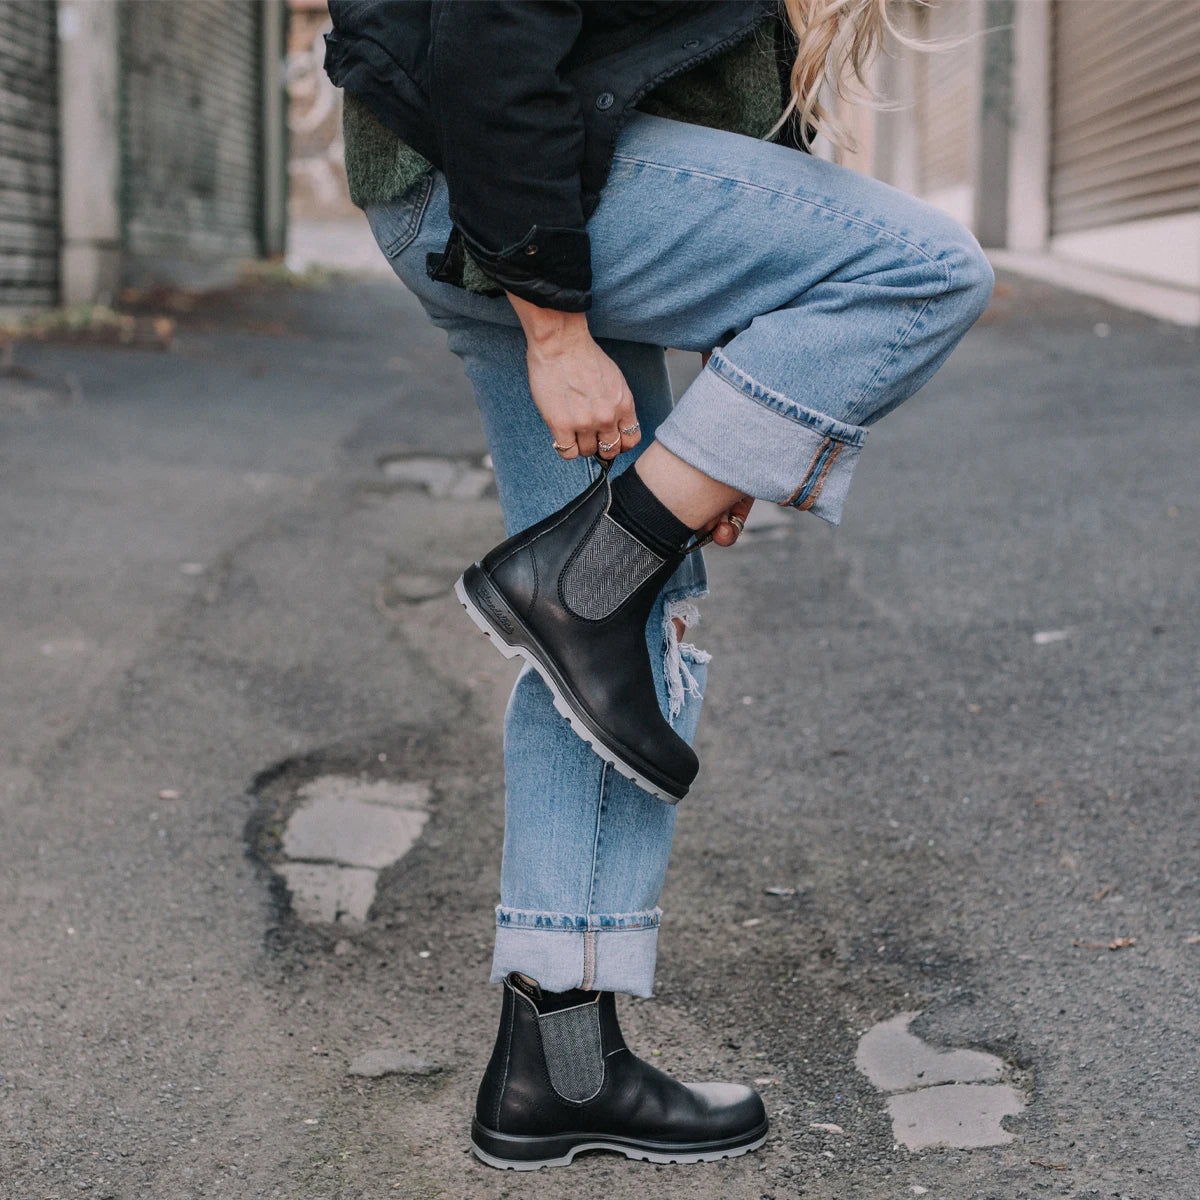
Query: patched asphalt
(950,767)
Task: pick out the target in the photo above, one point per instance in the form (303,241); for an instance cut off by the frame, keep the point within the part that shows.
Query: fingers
(566,444)
(605,440)
(608,443)
(741,508)
(730,524)
(724,534)
(623,433)
(628,428)
(607,430)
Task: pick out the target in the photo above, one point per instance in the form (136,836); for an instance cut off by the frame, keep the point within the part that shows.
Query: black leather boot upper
(584,587)
(561,1066)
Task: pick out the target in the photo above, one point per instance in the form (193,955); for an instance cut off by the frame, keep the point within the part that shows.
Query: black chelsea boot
(562,1080)
(572,595)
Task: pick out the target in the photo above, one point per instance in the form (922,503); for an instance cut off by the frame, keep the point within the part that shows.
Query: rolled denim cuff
(561,951)
(755,439)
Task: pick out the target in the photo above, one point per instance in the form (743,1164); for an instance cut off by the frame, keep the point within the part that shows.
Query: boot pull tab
(525,985)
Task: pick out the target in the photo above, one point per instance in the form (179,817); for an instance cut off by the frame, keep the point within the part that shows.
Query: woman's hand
(578,389)
(727,528)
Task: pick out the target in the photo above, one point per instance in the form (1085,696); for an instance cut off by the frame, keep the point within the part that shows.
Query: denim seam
(814,478)
(779,404)
(580,930)
(416,214)
(895,349)
(589,936)
(691,591)
(814,492)
(770,191)
(646,919)
(589,960)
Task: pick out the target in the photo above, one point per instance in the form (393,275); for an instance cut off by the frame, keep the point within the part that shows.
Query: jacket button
(604,100)
(531,248)
(691,43)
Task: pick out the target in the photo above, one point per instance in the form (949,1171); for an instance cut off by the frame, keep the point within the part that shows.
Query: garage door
(1126,111)
(190,128)
(28,154)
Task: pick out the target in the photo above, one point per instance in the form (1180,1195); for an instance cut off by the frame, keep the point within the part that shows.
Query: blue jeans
(829,298)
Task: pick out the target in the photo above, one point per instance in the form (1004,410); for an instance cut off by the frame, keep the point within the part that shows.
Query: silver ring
(632,429)
(737,522)
(607,446)
(564,449)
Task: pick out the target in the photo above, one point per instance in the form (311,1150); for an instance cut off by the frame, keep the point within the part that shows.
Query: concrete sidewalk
(950,769)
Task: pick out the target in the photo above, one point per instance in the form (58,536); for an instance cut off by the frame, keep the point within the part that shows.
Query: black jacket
(519,103)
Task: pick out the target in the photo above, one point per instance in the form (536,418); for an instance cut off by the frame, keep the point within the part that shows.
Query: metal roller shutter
(28,154)
(1126,111)
(190,128)
(946,98)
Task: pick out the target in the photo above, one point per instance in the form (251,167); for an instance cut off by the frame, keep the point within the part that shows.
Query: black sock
(637,509)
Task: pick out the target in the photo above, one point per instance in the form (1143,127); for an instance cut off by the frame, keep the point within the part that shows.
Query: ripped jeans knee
(684,664)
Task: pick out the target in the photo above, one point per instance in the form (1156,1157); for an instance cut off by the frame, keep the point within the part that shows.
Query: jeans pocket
(396,223)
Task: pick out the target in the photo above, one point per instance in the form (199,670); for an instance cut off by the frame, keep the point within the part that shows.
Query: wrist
(548,331)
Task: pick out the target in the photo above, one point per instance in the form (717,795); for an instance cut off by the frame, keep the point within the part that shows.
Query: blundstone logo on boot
(523,983)
(496,614)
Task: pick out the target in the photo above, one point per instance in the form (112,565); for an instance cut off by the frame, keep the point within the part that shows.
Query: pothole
(941,1097)
(442,478)
(340,834)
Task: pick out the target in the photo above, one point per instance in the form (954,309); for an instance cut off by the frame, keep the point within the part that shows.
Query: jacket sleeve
(511,138)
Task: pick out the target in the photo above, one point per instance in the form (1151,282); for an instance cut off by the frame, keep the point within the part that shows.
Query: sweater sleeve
(511,138)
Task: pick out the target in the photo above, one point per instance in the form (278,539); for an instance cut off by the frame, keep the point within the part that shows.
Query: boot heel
(515,1153)
(487,608)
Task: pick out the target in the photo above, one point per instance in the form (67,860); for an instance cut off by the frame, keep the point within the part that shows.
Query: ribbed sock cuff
(640,512)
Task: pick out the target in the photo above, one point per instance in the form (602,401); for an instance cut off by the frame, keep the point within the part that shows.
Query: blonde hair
(837,40)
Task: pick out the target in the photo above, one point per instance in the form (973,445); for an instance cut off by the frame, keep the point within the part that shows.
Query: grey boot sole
(531,1154)
(525,645)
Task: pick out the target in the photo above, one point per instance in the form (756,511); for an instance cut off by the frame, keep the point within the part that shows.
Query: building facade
(1066,133)
(139,143)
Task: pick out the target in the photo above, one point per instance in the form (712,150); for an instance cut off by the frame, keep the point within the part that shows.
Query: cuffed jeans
(829,298)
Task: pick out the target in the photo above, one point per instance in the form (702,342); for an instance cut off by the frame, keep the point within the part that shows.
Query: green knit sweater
(737,91)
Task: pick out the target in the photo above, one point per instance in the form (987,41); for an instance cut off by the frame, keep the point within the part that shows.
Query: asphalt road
(212,592)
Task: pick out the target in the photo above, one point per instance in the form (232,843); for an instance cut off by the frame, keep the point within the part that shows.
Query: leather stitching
(564,516)
(533,562)
(507,1060)
(599,1038)
(579,547)
(545,1074)
(583,541)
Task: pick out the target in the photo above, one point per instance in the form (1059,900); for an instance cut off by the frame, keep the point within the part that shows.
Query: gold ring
(607,446)
(564,449)
(737,522)
(632,429)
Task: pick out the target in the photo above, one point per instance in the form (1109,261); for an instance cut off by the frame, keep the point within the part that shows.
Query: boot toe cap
(730,1109)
